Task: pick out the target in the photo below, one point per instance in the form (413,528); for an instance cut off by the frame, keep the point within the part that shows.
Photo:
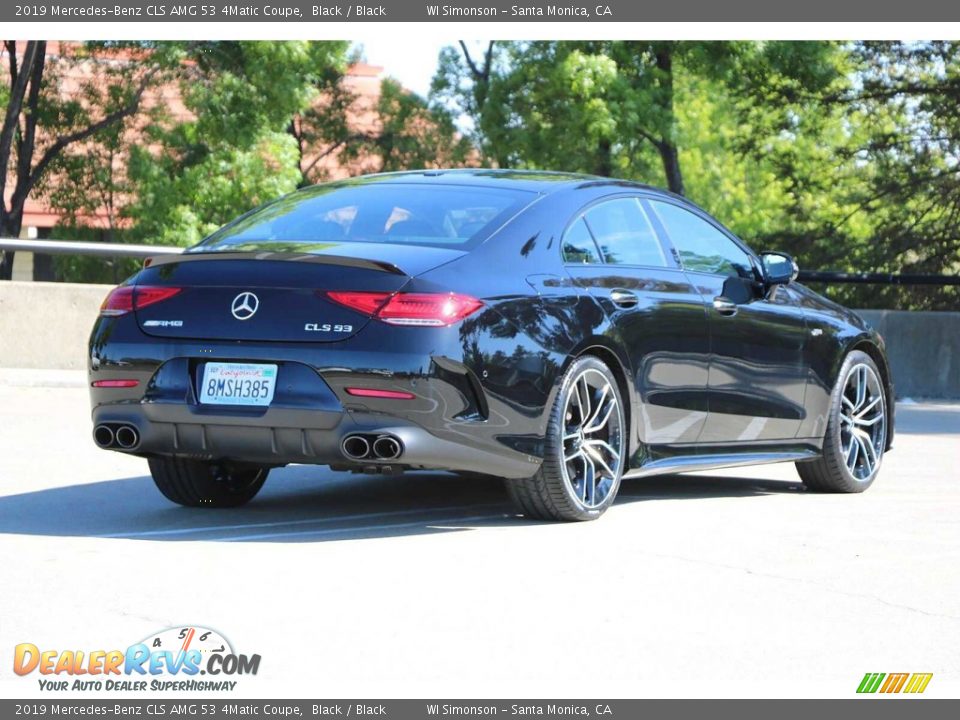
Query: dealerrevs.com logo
(189,658)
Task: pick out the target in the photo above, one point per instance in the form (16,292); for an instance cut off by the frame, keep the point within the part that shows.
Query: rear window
(325,215)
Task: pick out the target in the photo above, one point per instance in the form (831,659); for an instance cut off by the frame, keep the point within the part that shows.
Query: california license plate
(237,384)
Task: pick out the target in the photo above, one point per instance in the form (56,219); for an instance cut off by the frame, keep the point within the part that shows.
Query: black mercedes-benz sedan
(560,331)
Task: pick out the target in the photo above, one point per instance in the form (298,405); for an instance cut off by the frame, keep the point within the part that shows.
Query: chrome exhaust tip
(386,447)
(127,437)
(103,436)
(355,447)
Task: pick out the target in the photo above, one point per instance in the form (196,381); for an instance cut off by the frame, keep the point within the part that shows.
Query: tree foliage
(46,131)
(235,149)
(255,118)
(844,154)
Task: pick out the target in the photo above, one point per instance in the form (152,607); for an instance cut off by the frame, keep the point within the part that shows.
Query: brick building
(362,80)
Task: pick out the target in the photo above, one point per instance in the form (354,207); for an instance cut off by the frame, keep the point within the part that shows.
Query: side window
(624,233)
(702,247)
(578,245)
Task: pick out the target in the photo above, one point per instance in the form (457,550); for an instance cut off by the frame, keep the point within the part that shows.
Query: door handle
(724,306)
(623,298)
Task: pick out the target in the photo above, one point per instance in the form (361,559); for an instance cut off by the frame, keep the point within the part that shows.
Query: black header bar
(508,11)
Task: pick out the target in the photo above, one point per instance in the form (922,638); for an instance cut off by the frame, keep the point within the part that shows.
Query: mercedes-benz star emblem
(245,306)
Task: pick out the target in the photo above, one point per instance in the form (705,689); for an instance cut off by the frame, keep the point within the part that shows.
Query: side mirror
(779,268)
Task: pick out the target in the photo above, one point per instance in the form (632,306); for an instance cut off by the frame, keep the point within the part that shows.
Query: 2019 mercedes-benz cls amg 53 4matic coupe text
(562,332)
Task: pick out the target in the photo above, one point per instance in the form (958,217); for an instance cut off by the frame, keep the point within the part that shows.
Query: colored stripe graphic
(870,682)
(894,683)
(918,682)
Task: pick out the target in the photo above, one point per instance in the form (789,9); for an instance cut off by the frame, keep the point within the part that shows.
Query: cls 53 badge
(327,327)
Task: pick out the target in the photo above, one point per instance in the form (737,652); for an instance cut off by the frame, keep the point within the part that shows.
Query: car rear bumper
(446,425)
(315,438)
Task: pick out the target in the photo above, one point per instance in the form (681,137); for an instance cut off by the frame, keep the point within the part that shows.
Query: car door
(758,369)
(612,250)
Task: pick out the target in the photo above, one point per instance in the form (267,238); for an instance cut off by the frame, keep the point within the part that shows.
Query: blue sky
(411,61)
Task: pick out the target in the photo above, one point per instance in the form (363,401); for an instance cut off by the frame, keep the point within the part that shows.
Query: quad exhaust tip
(103,436)
(114,437)
(355,447)
(386,447)
(371,447)
(127,437)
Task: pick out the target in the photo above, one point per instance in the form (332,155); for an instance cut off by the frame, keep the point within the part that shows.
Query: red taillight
(366,302)
(421,309)
(126,298)
(376,393)
(118,302)
(116,383)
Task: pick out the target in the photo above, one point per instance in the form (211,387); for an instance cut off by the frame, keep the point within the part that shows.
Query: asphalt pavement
(731,583)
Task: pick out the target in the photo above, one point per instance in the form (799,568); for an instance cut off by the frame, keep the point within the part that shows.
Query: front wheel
(195,483)
(584,450)
(856,434)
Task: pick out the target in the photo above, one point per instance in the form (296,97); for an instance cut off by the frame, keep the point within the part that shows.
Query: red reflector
(125,298)
(116,383)
(421,309)
(375,393)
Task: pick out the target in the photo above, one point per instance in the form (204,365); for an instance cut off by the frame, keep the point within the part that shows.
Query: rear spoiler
(341,260)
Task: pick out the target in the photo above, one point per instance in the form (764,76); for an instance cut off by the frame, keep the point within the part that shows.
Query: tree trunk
(671,166)
(604,164)
(667,147)
(18,131)
(6,264)
(25,83)
(9,228)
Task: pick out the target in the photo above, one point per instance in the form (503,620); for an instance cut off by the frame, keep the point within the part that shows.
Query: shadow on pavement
(311,504)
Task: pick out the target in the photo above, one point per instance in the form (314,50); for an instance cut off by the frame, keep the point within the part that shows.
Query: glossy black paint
(703,389)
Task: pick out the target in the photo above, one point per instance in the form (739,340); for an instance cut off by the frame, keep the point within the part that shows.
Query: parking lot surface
(731,583)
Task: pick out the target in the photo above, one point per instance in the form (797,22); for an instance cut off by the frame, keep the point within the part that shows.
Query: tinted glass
(578,245)
(624,233)
(434,215)
(702,247)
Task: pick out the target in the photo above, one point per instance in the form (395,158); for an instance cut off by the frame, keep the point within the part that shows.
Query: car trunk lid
(268,296)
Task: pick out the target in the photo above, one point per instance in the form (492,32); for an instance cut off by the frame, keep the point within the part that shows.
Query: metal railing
(102,249)
(877,278)
(96,249)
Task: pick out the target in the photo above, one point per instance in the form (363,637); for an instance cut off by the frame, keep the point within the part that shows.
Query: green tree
(410,134)
(400,131)
(237,150)
(868,165)
(844,154)
(45,130)
(605,107)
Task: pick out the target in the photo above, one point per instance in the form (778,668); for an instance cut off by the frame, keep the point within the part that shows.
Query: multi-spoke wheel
(585,449)
(856,433)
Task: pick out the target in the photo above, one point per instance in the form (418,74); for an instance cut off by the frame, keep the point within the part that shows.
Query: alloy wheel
(592,438)
(863,422)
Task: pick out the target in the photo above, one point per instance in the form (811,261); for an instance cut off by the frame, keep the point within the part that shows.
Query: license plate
(237,384)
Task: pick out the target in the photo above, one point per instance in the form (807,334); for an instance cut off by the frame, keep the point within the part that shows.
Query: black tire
(831,472)
(550,495)
(195,483)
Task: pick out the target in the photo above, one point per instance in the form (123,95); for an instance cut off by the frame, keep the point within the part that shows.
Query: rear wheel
(196,483)
(856,431)
(584,451)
